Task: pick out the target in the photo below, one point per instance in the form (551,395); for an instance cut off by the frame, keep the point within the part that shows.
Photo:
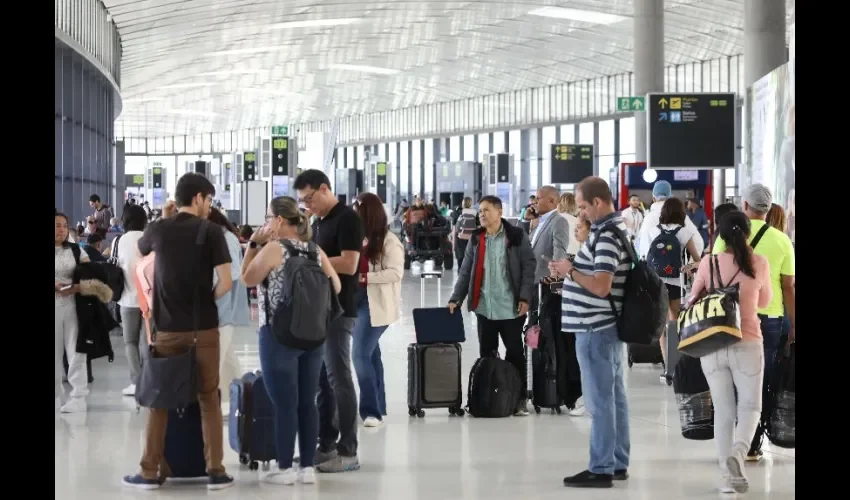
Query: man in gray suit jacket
(550,238)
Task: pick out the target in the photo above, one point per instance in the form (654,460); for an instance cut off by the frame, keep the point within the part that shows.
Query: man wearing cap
(777,248)
(660,192)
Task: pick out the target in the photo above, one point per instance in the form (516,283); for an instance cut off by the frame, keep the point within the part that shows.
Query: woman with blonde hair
(291,375)
(776,217)
(567,209)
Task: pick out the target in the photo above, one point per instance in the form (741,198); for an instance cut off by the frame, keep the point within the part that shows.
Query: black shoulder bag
(171,383)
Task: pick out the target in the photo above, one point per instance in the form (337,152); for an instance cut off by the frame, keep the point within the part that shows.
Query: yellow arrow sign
(662,103)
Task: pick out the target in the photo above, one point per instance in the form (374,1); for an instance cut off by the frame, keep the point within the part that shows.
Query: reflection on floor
(438,457)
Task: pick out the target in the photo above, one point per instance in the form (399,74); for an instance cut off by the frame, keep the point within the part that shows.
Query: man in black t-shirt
(188,249)
(339,232)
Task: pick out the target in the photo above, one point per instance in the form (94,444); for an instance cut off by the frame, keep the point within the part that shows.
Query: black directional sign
(280,155)
(690,131)
(249,166)
(571,163)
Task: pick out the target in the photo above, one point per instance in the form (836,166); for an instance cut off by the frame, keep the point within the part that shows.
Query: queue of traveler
(573,238)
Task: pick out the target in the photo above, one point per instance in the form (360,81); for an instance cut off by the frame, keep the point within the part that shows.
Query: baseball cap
(758,197)
(662,189)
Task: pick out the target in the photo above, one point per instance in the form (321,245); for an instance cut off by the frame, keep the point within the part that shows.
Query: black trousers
(510,330)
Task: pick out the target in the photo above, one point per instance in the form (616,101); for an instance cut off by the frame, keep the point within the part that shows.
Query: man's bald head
(547,199)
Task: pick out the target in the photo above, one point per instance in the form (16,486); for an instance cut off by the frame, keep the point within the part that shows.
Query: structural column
(649,61)
(764,38)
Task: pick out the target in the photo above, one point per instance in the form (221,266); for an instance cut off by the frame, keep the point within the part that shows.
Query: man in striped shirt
(593,289)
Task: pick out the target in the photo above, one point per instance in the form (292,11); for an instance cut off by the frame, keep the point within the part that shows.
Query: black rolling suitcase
(544,360)
(434,378)
(183,455)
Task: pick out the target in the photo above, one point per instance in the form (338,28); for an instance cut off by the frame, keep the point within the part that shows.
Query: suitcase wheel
(420,413)
(243,459)
(456,411)
(537,409)
(253,465)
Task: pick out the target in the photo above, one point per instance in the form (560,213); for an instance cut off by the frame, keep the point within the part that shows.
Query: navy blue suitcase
(184,444)
(251,421)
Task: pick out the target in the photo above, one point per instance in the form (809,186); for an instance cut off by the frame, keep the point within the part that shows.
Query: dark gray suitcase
(434,378)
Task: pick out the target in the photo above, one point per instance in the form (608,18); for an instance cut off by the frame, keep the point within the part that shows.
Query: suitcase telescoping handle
(428,275)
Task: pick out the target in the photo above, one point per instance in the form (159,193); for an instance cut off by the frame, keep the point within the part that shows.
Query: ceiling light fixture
(186,112)
(229,72)
(142,99)
(251,50)
(587,16)
(187,85)
(364,69)
(314,23)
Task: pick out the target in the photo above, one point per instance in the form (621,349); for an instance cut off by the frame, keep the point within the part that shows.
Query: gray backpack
(308,304)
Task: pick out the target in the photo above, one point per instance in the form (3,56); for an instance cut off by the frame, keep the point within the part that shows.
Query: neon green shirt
(777,248)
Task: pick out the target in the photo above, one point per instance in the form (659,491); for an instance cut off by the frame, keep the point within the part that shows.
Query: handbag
(714,321)
(171,382)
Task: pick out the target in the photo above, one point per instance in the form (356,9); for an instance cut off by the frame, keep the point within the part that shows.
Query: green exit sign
(280,130)
(630,104)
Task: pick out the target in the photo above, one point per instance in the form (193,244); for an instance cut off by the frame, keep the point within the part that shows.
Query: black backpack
(645,302)
(308,305)
(665,253)
(494,388)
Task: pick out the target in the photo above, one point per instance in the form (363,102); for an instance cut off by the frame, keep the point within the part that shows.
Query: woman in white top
(378,304)
(125,251)
(567,209)
(65,325)
(672,217)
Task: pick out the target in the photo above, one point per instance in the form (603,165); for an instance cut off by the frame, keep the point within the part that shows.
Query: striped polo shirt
(582,311)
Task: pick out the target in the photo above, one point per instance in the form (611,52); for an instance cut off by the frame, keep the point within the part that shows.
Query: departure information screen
(690,131)
(571,163)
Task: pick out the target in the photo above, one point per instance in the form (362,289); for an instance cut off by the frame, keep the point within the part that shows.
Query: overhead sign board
(571,163)
(690,131)
(280,155)
(280,130)
(249,166)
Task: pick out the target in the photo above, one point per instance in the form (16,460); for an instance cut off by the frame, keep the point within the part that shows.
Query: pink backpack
(144,288)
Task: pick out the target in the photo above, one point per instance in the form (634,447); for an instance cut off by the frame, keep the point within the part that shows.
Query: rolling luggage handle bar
(427,275)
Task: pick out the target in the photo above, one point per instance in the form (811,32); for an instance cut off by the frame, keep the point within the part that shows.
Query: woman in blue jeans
(378,301)
(291,375)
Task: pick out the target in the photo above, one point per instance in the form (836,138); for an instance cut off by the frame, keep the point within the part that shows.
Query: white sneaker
(579,410)
(286,477)
(726,486)
(130,390)
(307,475)
(372,422)
(75,405)
(735,464)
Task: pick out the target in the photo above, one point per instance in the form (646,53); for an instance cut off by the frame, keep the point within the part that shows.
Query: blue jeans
(366,356)
(292,379)
(771,331)
(600,357)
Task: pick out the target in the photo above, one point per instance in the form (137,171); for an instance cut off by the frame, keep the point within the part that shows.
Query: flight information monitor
(571,163)
(690,131)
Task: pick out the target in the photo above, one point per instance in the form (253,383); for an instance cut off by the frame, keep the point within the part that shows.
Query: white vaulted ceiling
(195,66)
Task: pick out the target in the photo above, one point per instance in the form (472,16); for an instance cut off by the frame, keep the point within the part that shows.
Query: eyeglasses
(308,198)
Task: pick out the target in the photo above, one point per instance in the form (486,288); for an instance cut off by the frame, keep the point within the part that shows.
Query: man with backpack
(594,288)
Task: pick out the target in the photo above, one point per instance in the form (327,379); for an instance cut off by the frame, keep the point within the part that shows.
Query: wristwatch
(252,244)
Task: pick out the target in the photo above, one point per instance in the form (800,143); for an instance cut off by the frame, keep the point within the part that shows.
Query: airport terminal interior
(432,108)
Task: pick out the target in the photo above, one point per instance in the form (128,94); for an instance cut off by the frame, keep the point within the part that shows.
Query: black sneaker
(220,482)
(621,475)
(137,481)
(755,456)
(588,479)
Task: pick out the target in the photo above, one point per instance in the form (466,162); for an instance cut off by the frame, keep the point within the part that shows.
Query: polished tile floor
(438,457)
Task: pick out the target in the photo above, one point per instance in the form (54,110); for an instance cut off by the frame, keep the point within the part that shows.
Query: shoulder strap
(759,234)
(618,233)
(715,264)
(114,252)
(75,249)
